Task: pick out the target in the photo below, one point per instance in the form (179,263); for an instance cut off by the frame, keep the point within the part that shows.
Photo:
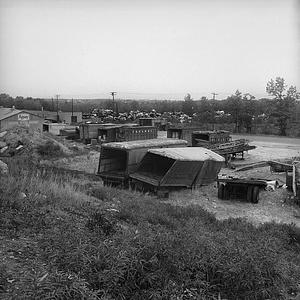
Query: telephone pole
(72,107)
(114,104)
(214,96)
(57,117)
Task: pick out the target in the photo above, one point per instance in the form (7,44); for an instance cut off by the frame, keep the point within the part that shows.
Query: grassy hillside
(66,238)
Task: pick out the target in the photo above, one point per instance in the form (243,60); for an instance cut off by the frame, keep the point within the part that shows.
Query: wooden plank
(243,181)
(278,166)
(252,166)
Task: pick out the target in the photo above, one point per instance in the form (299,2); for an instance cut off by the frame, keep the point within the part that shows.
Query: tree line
(241,110)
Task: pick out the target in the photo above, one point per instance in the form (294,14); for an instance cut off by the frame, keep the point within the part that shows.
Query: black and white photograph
(150,149)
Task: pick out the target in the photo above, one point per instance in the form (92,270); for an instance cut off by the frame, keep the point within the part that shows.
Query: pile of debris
(24,141)
(12,142)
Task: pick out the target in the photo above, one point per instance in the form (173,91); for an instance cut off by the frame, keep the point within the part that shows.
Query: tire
(221,191)
(255,194)
(249,194)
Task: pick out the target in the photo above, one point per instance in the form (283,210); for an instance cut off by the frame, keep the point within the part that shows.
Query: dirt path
(270,147)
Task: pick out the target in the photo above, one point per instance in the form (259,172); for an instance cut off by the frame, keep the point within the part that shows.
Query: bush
(49,149)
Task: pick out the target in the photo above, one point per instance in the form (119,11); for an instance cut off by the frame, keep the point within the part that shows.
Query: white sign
(23,117)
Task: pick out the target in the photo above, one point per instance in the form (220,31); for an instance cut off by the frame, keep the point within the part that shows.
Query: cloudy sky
(147,49)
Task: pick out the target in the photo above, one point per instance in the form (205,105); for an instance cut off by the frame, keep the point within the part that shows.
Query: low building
(182,133)
(61,116)
(11,117)
(69,117)
(54,128)
(160,123)
(207,137)
(88,131)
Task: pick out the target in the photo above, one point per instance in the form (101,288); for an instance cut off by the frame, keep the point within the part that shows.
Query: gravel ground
(273,206)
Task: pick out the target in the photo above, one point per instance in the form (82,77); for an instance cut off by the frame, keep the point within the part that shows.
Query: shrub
(49,149)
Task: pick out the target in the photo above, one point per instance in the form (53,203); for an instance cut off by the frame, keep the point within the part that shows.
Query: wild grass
(58,242)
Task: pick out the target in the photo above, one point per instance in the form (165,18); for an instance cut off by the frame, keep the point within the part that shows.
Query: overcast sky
(147,49)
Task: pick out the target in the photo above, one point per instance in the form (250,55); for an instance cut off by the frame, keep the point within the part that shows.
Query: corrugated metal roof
(145,143)
(8,112)
(188,153)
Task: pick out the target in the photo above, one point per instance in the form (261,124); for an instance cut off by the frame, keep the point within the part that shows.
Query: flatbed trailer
(231,148)
(236,188)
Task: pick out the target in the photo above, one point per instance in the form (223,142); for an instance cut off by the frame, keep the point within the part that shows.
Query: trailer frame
(236,188)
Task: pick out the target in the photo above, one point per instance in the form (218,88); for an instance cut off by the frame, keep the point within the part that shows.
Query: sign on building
(23,117)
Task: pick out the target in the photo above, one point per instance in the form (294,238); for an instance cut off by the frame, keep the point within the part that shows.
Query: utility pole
(72,107)
(113,95)
(214,96)
(57,117)
(72,117)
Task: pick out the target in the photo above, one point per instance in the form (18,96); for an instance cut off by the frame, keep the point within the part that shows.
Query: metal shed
(120,159)
(177,167)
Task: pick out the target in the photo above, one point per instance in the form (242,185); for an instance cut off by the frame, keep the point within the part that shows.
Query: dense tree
(205,111)
(235,109)
(248,112)
(188,105)
(284,102)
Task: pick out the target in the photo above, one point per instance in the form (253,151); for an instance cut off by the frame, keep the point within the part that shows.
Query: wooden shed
(182,133)
(169,168)
(118,160)
(88,131)
(204,138)
(122,133)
